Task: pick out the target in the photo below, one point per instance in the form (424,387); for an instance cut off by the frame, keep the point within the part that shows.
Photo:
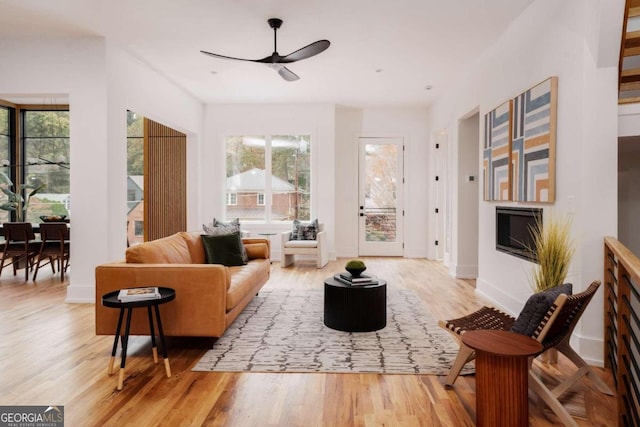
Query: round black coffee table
(355,308)
(111,300)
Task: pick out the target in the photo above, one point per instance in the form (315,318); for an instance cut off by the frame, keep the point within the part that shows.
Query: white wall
(247,119)
(406,123)
(348,129)
(101,83)
(76,68)
(571,40)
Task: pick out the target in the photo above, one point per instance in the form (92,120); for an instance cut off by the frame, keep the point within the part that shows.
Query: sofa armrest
(199,307)
(323,249)
(257,248)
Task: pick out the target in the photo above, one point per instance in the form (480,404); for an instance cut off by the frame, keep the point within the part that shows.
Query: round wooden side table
(111,300)
(502,376)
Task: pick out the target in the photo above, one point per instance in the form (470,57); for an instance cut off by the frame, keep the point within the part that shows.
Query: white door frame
(381,248)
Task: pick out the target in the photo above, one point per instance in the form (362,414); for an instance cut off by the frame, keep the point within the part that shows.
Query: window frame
(268,134)
(17,148)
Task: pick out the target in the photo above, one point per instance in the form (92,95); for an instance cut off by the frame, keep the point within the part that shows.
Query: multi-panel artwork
(530,172)
(496,158)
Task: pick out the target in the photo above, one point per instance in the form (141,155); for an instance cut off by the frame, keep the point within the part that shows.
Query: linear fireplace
(513,227)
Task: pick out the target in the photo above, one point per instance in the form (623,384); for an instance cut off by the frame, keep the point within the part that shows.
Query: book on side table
(361,280)
(138,294)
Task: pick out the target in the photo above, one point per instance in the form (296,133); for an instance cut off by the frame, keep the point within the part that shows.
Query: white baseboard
(591,349)
(81,294)
(465,271)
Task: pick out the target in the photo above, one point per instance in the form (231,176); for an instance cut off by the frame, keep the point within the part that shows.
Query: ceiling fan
(278,62)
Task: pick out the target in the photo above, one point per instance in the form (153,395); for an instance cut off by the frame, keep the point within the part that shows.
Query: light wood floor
(49,355)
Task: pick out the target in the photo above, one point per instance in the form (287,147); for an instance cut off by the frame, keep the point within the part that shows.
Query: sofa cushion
(301,244)
(304,230)
(194,243)
(225,249)
(233,223)
(217,228)
(536,307)
(168,250)
(245,278)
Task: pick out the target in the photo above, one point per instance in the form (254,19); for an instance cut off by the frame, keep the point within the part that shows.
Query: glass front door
(380,197)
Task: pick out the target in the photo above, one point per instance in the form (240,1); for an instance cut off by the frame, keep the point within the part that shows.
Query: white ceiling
(416,43)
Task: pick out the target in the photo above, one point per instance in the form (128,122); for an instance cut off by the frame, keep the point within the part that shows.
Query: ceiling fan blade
(306,52)
(215,55)
(288,75)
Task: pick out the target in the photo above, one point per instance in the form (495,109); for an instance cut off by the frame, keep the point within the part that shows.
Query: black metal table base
(110,300)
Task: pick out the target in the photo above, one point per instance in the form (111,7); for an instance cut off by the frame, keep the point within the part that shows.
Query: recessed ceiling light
(428,87)
(214,72)
(379,70)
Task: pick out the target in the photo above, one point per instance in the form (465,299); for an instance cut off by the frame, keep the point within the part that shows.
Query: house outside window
(139,228)
(271,177)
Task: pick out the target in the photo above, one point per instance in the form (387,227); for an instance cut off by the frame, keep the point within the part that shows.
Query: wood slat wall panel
(165,181)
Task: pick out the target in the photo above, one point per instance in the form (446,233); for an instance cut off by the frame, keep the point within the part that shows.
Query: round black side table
(355,308)
(111,300)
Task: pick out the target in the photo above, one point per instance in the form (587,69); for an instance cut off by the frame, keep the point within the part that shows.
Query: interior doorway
(466,263)
(380,199)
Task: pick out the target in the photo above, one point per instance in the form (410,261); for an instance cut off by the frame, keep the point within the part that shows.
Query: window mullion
(267,178)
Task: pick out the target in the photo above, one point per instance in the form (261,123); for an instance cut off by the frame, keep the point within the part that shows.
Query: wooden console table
(502,373)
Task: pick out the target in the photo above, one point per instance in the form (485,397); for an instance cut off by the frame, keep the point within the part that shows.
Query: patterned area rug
(283,331)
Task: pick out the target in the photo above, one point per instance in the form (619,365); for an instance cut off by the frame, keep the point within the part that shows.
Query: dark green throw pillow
(225,249)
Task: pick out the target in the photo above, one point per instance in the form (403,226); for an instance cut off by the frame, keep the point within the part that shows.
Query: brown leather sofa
(208,296)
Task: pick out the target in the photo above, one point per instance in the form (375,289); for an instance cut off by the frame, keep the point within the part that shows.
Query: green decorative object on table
(355,267)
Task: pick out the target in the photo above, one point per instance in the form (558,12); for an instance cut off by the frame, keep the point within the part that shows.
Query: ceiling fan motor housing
(275,23)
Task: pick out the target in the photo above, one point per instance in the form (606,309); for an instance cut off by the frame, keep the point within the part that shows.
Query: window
(45,141)
(7,135)
(39,158)
(135,178)
(271,177)
(232,198)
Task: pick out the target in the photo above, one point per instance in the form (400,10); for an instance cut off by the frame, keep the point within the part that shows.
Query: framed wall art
(533,146)
(496,156)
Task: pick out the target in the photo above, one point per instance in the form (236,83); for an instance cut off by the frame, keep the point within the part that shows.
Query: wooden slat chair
(553,331)
(54,247)
(20,246)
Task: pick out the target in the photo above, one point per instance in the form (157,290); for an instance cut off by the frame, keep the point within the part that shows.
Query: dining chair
(54,247)
(20,246)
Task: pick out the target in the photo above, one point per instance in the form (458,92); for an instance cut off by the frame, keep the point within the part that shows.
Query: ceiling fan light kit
(278,62)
